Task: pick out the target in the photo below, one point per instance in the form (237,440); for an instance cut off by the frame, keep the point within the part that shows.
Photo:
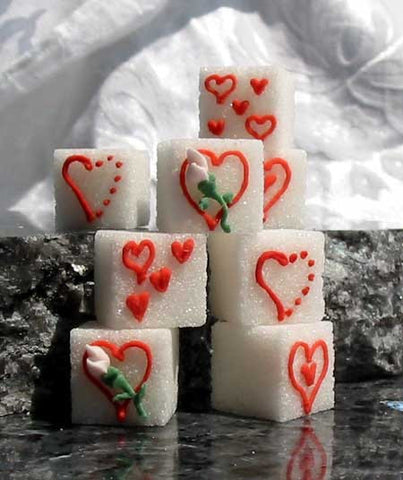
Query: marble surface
(361,439)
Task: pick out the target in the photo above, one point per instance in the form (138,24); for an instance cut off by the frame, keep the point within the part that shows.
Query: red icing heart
(216,127)
(270,179)
(183,251)
(240,106)
(308,459)
(119,354)
(212,81)
(133,249)
(160,279)
(308,397)
(308,370)
(90,213)
(282,259)
(216,161)
(137,303)
(260,120)
(259,85)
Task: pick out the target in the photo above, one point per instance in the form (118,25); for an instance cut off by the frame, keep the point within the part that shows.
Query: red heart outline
(268,165)
(260,120)
(137,303)
(216,161)
(218,79)
(183,251)
(259,85)
(307,435)
(90,214)
(308,399)
(282,259)
(240,106)
(132,248)
(119,354)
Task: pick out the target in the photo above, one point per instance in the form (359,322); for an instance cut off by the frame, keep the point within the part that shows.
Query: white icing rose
(198,169)
(98,361)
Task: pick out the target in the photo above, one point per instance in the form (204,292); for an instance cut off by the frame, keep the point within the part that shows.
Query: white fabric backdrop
(84,73)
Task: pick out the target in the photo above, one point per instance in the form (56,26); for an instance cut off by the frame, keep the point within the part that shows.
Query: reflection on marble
(360,439)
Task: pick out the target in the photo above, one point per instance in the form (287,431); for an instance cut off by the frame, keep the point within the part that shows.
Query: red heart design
(182,252)
(308,370)
(259,85)
(240,106)
(282,259)
(308,459)
(119,354)
(132,248)
(308,398)
(137,303)
(218,80)
(216,161)
(160,279)
(90,214)
(260,120)
(270,179)
(216,127)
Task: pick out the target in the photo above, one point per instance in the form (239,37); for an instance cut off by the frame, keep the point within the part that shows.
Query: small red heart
(308,459)
(259,85)
(133,249)
(308,397)
(270,179)
(308,370)
(260,120)
(212,81)
(90,213)
(216,161)
(119,354)
(183,251)
(216,127)
(283,260)
(137,303)
(160,279)
(240,106)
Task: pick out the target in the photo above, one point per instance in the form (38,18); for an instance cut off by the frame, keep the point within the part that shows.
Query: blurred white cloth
(84,73)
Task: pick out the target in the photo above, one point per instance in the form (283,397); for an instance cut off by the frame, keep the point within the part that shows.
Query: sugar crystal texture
(120,291)
(273,372)
(101,188)
(231,107)
(284,191)
(238,169)
(91,406)
(271,277)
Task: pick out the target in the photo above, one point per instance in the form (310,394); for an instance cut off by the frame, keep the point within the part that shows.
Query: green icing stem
(209,190)
(115,379)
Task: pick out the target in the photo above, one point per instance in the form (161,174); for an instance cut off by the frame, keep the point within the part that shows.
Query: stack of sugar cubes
(273,357)
(124,367)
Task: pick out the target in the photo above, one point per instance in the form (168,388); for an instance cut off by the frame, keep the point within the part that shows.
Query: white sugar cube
(107,188)
(210,185)
(273,372)
(248,102)
(150,280)
(267,278)
(284,189)
(126,377)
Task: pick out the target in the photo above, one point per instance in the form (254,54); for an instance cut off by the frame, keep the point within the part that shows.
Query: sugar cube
(248,102)
(267,278)
(273,372)
(150,280)
(126,377)
(210,185)
(106,188)
(284,189)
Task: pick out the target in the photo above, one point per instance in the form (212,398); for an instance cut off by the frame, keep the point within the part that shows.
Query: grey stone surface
(46,288)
